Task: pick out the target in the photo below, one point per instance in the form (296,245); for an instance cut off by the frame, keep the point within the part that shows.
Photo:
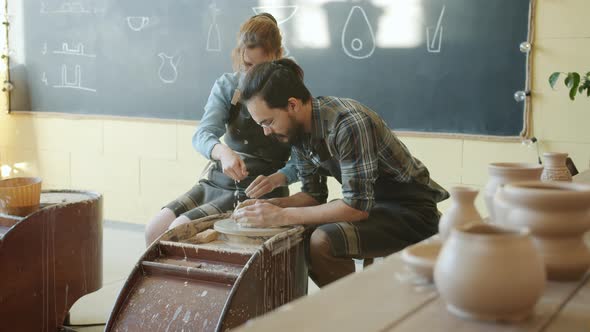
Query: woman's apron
(217,192)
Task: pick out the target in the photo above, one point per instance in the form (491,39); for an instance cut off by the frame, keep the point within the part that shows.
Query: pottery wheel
(230,227)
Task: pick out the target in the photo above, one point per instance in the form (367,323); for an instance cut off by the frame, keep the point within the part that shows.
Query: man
(389,200)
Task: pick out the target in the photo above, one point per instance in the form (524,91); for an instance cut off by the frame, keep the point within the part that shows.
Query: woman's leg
(158,225)
(182,219)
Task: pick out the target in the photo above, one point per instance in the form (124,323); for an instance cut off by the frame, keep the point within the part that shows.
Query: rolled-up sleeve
(356,146)
(290,169)
(312,183)
(212,124)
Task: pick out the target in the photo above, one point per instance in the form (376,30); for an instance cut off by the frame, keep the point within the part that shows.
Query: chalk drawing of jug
(168,71)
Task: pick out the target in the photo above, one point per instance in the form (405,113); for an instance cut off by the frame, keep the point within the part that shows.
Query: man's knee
(320,243)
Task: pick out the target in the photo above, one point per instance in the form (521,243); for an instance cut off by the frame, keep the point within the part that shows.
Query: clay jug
(502,173)
(558,215)
(555,168)
(461,211)
(489,272)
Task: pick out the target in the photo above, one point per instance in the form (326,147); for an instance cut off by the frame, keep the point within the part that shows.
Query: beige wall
(141,165)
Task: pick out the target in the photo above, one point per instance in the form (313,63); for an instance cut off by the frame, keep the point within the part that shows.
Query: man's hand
(231,164)
(248,202)
(260,214)
(264,184)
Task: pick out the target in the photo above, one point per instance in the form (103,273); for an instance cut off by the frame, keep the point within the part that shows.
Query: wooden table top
(385,297)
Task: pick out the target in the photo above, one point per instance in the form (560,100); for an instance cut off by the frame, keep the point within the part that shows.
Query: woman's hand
(262,185)
(231,164)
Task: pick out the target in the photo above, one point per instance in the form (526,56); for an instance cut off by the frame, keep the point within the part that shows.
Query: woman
(249,163)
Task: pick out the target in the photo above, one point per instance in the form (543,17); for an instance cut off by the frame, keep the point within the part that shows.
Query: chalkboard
(446,66)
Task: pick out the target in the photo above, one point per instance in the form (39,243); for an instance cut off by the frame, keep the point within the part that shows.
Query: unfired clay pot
(558,215)
(489,272)
(502,173)
(461,211)
(555,168)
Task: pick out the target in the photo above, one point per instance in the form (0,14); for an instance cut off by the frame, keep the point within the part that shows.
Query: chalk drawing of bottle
(434,35)
(213,36)
(168,71)
(358,39)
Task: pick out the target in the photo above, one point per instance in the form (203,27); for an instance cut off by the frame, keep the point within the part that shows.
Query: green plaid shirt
(365,149)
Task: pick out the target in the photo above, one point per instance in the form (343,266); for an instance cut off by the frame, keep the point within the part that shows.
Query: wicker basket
(20,196)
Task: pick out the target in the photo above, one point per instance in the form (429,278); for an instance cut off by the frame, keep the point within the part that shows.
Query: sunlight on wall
(311,26)
(401,26)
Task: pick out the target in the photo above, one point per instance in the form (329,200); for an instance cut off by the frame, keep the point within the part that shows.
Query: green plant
(573,81)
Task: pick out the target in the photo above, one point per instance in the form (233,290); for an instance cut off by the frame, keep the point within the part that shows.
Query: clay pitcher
(489,272)
(555,168)
(502,173)
(461,211)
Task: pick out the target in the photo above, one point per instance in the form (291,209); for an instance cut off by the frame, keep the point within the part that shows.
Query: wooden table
(385,297)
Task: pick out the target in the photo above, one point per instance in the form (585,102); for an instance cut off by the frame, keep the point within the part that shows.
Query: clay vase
(502,173)
(555,168)
(489,272)
(558,215)
(461,211)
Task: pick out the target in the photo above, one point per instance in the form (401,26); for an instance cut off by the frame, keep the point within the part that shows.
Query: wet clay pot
(502,173)
(558,215)
(461,211)
(489,272)
(555,168)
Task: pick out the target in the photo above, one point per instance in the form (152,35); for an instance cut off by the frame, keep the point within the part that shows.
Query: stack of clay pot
(558,215)
(503,173)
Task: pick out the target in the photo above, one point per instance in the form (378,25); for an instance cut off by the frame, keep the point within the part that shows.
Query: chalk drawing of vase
(213,39)
(168,68)
(358,39)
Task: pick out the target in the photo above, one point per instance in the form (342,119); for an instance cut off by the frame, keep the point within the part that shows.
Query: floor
(123,244)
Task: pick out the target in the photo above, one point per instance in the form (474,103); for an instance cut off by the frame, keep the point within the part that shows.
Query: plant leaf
(573,93)
(576,80)
(553,79)
(568,80)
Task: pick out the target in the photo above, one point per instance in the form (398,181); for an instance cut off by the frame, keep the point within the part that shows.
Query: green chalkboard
(448,66)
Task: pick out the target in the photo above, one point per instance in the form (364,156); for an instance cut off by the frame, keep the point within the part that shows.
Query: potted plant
(574,81)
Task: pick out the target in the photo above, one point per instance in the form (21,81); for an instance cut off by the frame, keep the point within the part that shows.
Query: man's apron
(402,214)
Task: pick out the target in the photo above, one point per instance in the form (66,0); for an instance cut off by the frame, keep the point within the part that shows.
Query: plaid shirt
(364,148)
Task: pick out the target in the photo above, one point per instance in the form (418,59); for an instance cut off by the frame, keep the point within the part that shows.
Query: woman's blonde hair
(259,31)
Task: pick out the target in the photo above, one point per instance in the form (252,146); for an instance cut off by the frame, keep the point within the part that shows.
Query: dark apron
(218,193)
(402,214)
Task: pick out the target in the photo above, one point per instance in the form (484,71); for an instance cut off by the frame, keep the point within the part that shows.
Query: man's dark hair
(275,82)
